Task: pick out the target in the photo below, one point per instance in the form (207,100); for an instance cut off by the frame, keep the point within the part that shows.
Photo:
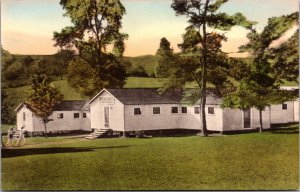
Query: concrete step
(91,138)
(97,133)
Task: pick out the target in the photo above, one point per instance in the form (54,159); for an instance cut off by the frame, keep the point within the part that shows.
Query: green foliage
(14,71)
(285,60)
(43,98)
(6,107)
(239,68)
(148,62)
(61,62)
(138,72)
(78,72)
(165,57)
(96,26)
(267,161)
(202,59)
(281,61)
(258,87)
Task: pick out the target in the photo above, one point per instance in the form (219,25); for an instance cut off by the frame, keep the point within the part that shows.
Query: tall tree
(96,28)
(43,98)
(203,16)
(165,56)
(260,88)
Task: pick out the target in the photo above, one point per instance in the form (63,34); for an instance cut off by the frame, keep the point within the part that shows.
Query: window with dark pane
(60,115)
(197,110)
(284,106)
(76,115)
(211,110)
(156,110)
(183,109)
(174,109)
(137,111)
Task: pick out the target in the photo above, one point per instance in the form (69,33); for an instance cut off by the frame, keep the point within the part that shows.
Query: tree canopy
(43,98)
(201,59)
(96,28)
(259,87)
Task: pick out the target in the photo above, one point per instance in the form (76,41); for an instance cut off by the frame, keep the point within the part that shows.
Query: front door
(247,118)
(106,116)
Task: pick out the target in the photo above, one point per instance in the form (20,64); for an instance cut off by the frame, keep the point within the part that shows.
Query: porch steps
(97,134)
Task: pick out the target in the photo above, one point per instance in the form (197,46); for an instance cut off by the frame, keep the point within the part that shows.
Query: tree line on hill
(91,56)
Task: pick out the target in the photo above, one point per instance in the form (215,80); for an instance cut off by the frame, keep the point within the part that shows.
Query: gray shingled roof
(71,105)
(65,105)
(143,96)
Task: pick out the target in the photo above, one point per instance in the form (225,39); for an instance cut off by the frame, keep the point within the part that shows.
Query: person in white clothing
(21,136)
(10,136)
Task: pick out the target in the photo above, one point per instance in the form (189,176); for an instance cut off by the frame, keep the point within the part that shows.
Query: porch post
(124,134)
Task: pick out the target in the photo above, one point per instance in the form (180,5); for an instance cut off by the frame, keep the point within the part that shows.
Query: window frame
(60,115)
(139,111)
(153,112)
(284,106)
(174,107)
(183,107)
(83,115)
(197,111)
(75,115)
(213,110)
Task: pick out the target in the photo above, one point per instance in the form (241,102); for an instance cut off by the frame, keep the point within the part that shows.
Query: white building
(68,116)
(286,112)
(145,109)
(126,110)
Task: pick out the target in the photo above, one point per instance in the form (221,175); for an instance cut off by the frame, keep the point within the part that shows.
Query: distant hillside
(148,62)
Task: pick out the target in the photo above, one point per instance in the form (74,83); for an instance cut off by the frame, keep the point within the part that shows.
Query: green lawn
(4,128)
(267,161)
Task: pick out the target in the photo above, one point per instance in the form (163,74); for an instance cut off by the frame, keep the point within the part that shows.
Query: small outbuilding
(67,116)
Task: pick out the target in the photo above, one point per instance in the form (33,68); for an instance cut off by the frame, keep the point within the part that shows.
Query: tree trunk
(203,78)
(45,126)
(202,115)
(260,121)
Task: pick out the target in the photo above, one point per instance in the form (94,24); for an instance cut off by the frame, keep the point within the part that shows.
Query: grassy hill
(148,62)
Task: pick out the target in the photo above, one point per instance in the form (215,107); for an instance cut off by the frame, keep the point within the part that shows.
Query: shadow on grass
(292,130)
(16,152)
(286,128)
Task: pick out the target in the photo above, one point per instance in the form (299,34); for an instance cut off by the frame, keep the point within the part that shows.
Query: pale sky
(27,26)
